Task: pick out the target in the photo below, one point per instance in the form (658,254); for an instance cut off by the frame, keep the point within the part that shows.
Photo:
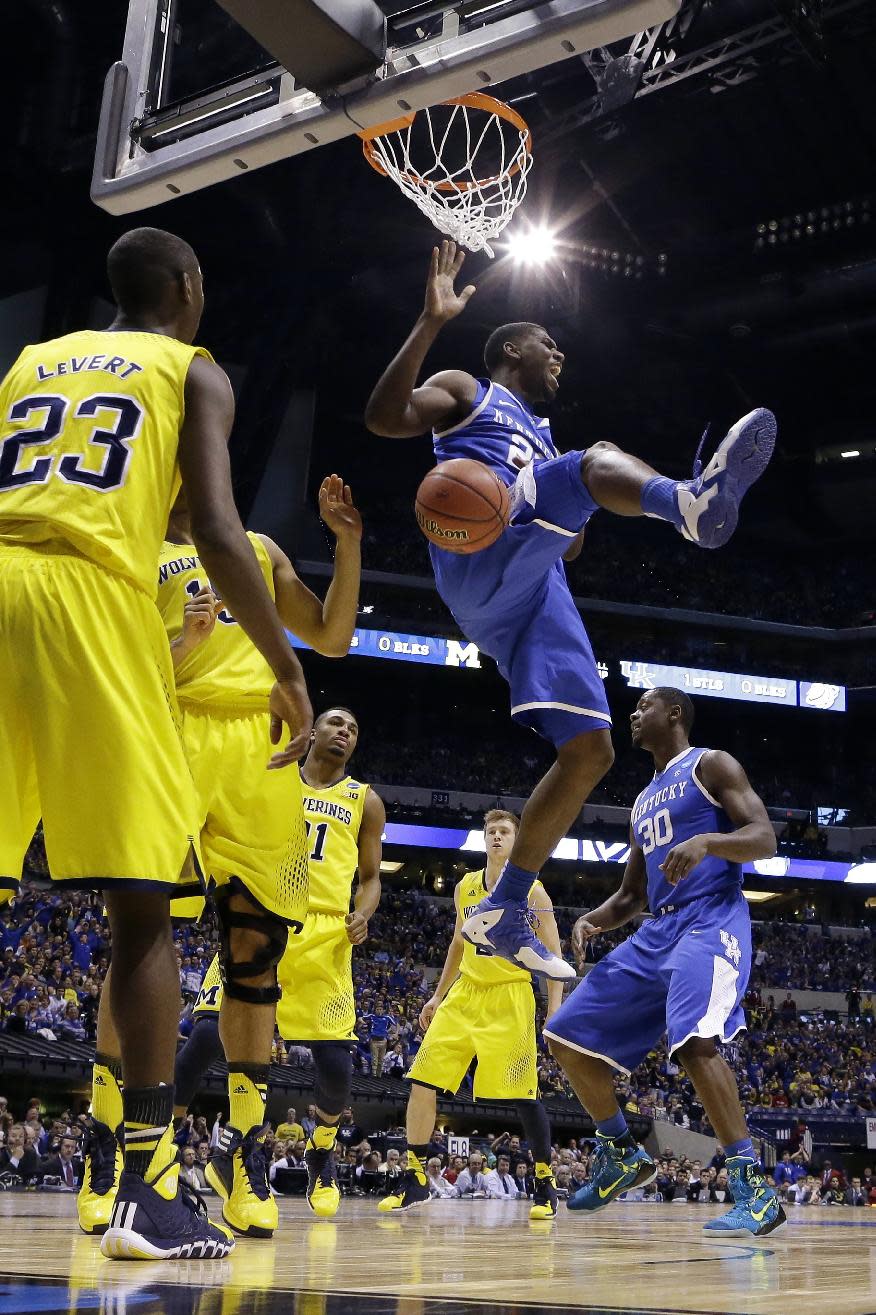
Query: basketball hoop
(463,162)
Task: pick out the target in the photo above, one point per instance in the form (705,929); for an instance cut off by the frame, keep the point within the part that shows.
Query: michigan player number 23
(128,415)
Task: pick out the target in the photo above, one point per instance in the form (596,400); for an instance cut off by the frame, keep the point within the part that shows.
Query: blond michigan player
(345,821)
(483,1008)
(96,430)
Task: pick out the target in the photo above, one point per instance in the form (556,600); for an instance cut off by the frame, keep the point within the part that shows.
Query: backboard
(195,100)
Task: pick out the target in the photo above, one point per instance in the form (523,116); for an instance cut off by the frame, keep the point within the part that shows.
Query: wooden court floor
(453,1258)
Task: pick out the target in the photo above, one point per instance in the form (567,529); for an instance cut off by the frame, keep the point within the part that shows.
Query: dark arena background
(699,238)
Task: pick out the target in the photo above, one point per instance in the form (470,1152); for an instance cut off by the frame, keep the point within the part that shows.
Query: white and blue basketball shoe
(502,927)
(709,503)
(757,1210)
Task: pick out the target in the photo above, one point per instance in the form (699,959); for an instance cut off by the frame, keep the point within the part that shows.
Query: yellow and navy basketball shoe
(544,1198)
(103,1159)
(239,1174)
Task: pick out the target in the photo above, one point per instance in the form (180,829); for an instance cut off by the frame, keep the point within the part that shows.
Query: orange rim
(473,100)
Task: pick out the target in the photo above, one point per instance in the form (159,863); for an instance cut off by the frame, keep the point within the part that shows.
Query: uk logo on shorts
(731,947)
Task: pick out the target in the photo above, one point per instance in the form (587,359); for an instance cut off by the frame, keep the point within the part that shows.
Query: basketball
(462,506)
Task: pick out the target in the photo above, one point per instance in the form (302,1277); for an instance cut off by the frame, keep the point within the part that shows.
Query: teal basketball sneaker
(757,1210)
(615,1169)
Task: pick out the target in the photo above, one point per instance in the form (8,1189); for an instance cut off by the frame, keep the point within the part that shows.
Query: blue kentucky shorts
(683,972)
(512,600)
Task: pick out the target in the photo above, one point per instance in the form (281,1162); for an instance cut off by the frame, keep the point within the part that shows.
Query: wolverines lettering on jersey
(176,567)
(327,808)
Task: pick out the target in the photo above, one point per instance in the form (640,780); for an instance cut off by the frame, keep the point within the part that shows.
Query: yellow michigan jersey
(315,972)
(252,823)
(89,735)
(94,414)
(227,671)
(488,1014)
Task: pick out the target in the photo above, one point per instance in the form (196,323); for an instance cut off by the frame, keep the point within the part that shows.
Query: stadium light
(535,246)
(852,452)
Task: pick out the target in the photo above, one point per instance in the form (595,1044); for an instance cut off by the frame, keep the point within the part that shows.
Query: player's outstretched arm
(617,910)
(549,935)
(754,837)
(367,895)
(224,549)
(450,971)
(326,626)
(397,408)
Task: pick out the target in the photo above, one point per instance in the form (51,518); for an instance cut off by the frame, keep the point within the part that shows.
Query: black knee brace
(201,1050)
(537,1127)
(333,1061)
(275,933)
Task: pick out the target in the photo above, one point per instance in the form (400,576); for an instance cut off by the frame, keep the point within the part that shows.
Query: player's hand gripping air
(199,621)
(336,508)
(582,933)
(443,302)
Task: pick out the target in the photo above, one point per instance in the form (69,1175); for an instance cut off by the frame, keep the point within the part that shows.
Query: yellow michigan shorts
(252,820)
(494,1025)
(210,995)
(89,730)
(316,978)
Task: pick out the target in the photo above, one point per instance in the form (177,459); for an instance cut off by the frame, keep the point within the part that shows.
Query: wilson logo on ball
(462,506)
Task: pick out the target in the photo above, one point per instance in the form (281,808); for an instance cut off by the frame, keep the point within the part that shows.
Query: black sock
(148,1113)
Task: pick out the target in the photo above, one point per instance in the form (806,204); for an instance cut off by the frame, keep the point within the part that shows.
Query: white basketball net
(473,201)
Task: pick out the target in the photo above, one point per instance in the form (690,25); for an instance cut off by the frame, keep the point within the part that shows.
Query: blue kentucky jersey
(500,430)
(676,806)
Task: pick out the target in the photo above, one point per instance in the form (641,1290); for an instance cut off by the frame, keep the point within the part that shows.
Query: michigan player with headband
(512,599)
(483,1008)
(684,972)
(345,821)
(96,429)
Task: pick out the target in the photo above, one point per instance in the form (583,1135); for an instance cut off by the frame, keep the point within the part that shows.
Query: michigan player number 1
(51,412)
(656,830)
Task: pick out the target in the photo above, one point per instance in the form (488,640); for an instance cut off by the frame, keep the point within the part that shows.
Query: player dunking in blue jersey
(684,972)
(511,599)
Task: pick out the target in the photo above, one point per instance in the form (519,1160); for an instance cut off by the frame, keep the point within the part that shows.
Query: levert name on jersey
(333,817)
(89,432)
(226,671)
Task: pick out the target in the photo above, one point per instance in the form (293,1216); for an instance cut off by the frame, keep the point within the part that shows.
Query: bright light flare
(533,246)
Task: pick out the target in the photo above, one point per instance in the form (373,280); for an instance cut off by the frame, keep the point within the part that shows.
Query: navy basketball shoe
(502,927)
(709,503)
(146,1226)
(757,1210)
